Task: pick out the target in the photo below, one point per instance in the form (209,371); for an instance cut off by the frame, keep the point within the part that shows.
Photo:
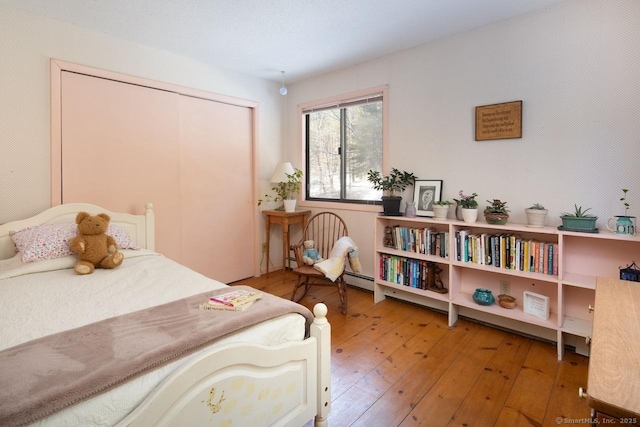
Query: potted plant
(468,206)
(395,182)
(286,191)
(496,212)
(623,224)
(579,220)
(441,209)
(536,215)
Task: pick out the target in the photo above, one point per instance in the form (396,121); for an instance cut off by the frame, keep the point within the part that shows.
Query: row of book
(508,251)
(427,241)
(406,271)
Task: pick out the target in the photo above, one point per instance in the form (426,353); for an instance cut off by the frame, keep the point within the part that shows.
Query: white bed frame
(295,377)
(140,227)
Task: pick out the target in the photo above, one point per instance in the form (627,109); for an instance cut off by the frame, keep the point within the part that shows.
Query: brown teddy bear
(92,245)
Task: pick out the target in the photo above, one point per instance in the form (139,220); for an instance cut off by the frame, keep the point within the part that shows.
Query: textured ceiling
(262,37)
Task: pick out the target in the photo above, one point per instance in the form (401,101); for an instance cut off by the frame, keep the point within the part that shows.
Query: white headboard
(139,227)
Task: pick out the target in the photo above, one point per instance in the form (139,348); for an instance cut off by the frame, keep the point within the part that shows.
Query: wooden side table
(614,370)
(285,219)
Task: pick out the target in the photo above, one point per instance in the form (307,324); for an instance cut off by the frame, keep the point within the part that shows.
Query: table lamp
(280,175)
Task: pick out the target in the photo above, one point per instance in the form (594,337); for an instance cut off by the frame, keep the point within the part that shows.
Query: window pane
(323,154)
(363,147)
(343,144)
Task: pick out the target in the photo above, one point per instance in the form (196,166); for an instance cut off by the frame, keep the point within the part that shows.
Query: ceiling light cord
(283,89)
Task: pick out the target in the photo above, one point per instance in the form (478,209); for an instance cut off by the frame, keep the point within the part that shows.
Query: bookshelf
(566,279)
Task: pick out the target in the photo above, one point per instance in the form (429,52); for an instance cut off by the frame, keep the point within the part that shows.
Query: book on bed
(237,300)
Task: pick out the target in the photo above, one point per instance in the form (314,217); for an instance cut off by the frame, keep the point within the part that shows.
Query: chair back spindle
(325,229)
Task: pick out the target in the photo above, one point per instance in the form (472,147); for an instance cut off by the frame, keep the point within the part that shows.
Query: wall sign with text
(499,121)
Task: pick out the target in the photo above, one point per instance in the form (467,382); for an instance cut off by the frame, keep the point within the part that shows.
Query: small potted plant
(468,206)
(623,224)
(441,209)
(396,182)
(579,220)
(536,215)
(496,212)
(286,191)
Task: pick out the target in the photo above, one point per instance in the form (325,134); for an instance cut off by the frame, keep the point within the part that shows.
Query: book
(463,249)
(536,257)
(503,251)
(212,305)
(237,300)
(512,252)
(541,258)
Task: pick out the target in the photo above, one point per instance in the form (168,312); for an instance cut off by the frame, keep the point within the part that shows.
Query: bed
(273,372)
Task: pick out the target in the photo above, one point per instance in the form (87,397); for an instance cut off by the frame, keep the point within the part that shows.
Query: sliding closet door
(127,142)
(119,148)
(216,188)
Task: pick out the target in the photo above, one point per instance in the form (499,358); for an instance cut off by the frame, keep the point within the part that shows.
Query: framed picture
(426,191)
(499,121)
(536,304)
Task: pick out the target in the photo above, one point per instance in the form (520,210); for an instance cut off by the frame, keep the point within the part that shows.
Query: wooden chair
(325,228)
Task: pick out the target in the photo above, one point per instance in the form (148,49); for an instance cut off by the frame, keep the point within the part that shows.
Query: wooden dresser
(614,363)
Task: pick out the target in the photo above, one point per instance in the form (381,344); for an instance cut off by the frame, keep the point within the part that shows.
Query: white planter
(290,205)
(440,212)
(536,217)
(469,215)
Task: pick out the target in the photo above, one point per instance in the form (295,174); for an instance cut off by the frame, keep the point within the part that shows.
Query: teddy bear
(92,245)
(310,255)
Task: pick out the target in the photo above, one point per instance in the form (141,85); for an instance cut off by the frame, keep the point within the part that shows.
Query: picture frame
(499,121)
(425,192)
(536,304)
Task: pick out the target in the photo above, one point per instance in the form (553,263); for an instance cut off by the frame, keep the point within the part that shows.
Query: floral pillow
(49,241)
(122,238)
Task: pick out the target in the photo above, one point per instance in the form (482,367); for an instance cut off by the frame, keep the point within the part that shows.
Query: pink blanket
(42,376)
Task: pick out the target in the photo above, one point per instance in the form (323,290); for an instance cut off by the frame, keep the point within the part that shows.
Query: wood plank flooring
(398,364)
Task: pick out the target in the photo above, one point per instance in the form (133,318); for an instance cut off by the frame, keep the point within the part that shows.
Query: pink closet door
(125,144)
(120,145)
(216,187)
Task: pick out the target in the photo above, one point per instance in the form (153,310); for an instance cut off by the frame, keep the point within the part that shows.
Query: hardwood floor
(398,364)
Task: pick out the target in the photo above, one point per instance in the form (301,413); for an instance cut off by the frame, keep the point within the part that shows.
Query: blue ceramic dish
(483,296)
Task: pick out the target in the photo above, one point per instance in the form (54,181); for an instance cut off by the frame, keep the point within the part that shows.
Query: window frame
(361,205)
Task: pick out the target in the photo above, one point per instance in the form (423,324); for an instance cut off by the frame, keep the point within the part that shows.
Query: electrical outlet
(505,287)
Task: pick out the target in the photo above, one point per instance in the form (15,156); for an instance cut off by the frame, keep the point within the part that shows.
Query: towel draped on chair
(345,248)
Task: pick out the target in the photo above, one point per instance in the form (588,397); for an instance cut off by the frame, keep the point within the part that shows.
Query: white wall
(27,42)
(575,66)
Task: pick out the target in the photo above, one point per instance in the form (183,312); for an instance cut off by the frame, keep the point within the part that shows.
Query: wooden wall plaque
(499,121)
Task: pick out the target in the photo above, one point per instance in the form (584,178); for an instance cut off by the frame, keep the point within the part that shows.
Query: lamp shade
(280,174)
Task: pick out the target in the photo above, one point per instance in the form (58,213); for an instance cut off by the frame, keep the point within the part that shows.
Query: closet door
(216,188)
(119,150)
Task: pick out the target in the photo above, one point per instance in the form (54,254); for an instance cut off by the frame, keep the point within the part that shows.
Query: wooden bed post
(321,330)
(150,227)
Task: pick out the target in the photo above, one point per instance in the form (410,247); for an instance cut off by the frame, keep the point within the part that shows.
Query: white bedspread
(35,303)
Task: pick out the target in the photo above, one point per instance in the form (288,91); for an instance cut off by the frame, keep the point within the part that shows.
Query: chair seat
(308,270)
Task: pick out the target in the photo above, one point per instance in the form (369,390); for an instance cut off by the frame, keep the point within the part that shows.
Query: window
(344,141)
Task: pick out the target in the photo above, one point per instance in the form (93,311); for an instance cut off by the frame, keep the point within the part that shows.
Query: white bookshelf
(581,258)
